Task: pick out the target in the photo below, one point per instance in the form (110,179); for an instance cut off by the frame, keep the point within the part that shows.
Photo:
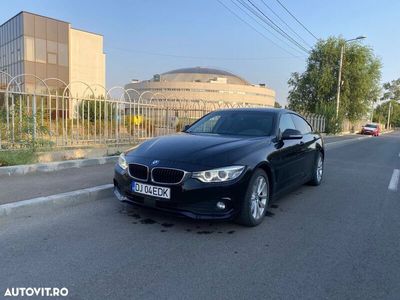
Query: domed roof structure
(207,85)
(201,74)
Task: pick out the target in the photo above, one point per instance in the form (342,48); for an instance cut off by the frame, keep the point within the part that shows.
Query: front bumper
(369,132)
(191,198)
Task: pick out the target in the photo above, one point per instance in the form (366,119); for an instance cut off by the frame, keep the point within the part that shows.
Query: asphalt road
(340,240)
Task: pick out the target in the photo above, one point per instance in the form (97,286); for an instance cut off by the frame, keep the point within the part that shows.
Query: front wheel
(318,170)
(256,200)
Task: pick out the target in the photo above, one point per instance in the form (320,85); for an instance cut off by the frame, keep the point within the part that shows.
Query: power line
(302,25)
(244,21)
(249,9)
(255,29)
(264,27)
(287,25)
(200,57)
(275,27)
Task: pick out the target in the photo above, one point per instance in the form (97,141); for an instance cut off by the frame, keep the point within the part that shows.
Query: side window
(286,122)
(301,124)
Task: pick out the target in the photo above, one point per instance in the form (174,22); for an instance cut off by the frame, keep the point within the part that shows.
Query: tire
(255,204)
(318,170)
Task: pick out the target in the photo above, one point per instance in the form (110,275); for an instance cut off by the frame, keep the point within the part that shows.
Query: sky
(143,38)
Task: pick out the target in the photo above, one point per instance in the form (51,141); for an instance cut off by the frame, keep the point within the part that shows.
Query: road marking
(394,181)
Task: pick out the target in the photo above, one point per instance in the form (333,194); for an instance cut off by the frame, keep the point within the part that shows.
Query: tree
(277,105)
(315,89)
(391,92)
(381,113)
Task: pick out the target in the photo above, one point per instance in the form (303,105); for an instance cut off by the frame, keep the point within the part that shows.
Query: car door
(307,145)
(286,159)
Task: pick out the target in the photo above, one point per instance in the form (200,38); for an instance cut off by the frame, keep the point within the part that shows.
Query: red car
(372,129)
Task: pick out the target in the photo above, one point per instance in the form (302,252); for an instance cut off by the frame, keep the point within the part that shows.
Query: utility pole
(339,81)
(340,72)
(388,120)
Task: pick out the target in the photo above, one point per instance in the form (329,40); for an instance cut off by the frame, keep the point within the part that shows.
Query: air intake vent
(167,176)
(138,171)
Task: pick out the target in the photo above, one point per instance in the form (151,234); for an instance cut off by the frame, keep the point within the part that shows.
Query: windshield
(371,125)
(248,123)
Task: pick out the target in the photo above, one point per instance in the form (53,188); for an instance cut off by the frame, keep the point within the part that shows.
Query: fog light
(221,205)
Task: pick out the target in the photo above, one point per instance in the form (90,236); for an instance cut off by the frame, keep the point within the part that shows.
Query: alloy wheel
(259,197)
(320,168)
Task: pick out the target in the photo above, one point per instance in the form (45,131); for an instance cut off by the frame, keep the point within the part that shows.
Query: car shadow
(165,222)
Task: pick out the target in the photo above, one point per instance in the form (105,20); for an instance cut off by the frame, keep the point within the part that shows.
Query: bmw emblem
(155,162)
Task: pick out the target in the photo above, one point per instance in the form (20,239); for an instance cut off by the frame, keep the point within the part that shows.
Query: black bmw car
(229,164)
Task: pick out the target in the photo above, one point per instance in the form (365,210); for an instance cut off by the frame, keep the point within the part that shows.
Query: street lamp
(340,71)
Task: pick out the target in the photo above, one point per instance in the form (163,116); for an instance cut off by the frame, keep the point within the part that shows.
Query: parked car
(372,129)
(229,164)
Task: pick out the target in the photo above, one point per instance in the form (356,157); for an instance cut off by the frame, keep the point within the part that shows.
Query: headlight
(122,161)
(219,175)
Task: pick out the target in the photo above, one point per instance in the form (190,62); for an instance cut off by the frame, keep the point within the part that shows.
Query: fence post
(116,122)
(95,120)
(34,119)
(12,119)
(7,116)
(0,132)
(166,121)
(105,120)
(20,116)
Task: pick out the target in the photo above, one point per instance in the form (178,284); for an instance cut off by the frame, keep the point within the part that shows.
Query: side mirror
(186,127)
(291,134)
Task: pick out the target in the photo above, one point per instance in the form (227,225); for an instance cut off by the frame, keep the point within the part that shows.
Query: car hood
(208,150)
(370,128)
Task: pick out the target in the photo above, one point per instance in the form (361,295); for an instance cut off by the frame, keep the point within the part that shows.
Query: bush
(17,157)
(332,124)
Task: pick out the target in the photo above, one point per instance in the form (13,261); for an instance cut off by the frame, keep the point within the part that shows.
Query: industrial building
(199,83)
(47,48)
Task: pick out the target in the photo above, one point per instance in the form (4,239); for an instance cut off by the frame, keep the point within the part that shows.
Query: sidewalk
(22,187)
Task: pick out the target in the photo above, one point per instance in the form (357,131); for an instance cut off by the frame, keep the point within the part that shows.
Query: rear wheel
(256,200)
(318,170)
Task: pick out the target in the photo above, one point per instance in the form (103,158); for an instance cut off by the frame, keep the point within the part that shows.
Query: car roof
(259,109)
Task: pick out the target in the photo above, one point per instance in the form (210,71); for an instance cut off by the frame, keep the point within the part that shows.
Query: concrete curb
(55,166)
(49,203)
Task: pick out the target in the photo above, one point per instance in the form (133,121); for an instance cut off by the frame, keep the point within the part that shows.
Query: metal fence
(53,120)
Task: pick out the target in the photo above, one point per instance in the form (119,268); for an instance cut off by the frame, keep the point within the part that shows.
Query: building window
(40,47)
(62,55)
(51,46)
(52,58)
(29,48)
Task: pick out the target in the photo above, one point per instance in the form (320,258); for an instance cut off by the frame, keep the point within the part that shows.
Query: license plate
(151,190)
